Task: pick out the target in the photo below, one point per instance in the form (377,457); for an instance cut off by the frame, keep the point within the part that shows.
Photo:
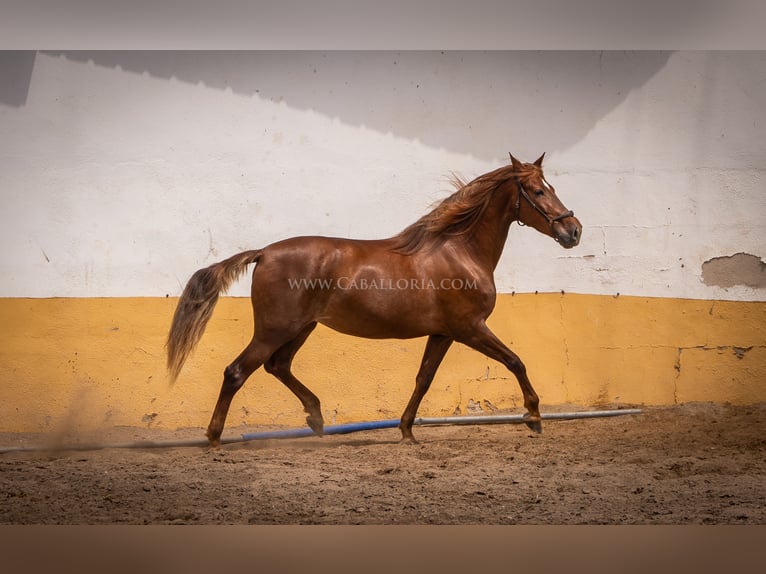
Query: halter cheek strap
(548,218)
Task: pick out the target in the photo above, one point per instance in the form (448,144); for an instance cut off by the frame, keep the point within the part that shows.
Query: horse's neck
(485,242)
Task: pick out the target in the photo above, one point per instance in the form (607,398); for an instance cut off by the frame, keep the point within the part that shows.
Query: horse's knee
(233,378)
(422,383)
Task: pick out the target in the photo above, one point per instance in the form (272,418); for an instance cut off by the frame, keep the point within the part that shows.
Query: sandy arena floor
(690,464)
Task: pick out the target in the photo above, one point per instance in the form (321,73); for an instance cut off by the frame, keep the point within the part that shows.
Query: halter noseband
(548,218)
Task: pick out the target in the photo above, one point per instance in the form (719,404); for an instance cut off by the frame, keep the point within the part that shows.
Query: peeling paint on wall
(738,269)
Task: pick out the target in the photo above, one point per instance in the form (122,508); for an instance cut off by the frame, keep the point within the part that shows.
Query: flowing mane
(458,213)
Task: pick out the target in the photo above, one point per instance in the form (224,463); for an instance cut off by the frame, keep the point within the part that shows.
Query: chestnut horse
(434,279)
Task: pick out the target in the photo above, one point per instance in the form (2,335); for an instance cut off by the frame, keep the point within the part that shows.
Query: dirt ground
(689,464)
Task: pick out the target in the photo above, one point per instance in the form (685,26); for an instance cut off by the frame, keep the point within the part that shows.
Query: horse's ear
(539,161)
(514,162)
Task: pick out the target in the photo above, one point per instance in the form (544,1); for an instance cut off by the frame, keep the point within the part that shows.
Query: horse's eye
(539,192)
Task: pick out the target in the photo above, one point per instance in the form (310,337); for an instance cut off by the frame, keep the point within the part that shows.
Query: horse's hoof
(408,438)
(534,425)
(316,426)
(213,441)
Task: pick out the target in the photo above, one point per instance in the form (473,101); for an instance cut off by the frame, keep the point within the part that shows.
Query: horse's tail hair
(195,307)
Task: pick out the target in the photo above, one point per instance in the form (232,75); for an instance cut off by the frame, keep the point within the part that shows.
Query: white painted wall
(122,173)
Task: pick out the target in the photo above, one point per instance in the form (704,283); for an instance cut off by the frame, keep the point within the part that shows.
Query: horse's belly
(375,332)
(382,319)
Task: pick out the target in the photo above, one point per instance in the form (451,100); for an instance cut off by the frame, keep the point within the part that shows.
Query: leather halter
(548,218)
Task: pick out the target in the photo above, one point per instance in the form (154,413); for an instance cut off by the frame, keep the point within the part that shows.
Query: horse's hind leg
(279,366)
(486,342)
(234,377)
(436,348)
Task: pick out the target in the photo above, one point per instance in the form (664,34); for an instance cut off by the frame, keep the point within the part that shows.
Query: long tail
(196,305)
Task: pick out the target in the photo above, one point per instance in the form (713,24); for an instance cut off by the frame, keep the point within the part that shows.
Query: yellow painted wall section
(84,364)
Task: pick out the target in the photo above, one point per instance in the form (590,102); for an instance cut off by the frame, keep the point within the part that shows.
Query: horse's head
(538,206)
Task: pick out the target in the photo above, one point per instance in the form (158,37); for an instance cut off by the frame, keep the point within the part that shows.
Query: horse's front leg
(486,342)
(436,348)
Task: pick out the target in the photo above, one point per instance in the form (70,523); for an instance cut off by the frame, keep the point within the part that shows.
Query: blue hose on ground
(456,420)
(332,429)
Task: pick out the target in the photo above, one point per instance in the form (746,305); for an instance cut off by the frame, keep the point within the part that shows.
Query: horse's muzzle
(567,232)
